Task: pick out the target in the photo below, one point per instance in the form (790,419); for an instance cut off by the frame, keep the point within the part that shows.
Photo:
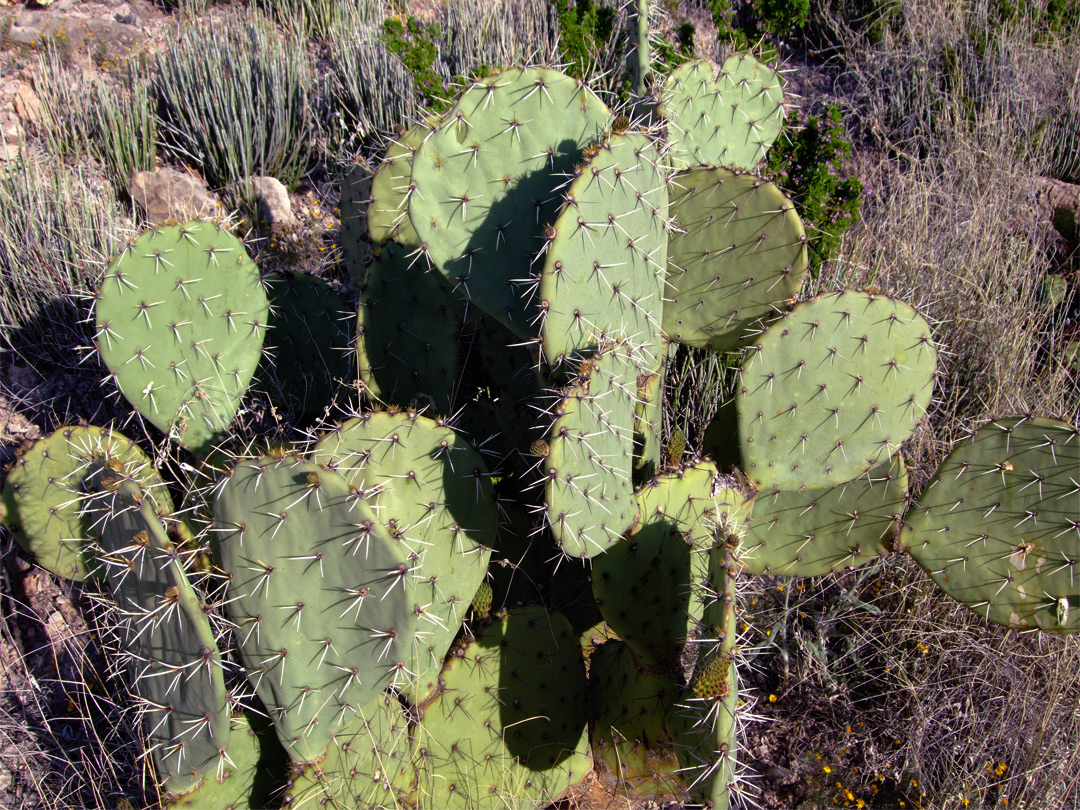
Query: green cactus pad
(432,491)
(833,389)
(812,532)
(370,765)
(42,495)
(589,494)
(234,783)
(165,635)
(509,730)
(648,584)
(738,253)
(407,333)
(998,528)
(309,341)
(322,602)
(648,418)
(728,119)
(391,189)
(631,742)
(485,184)
(604,266)
(181,317)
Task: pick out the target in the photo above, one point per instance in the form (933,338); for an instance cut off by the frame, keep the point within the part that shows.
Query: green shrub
(809,170)
(416,44)
(585,27)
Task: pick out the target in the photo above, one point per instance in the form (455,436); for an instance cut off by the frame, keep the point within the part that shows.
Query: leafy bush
(809,169)
(416,44)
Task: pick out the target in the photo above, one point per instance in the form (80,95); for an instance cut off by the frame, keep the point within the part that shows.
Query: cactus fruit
(485,180)
(810,532)
(41,499)
(606,254)
(432,492)
(407,333)
(181,317)
(728,118)
(164,633)
(322,602)
(998,528)
(509,728)
(833,389)
(589,495)
(737,254)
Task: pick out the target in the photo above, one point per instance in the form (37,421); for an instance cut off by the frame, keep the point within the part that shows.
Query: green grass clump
(809,170)
(235,100)
(55,235)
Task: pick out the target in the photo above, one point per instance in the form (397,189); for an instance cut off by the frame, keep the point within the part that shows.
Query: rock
(272,198)
(27,104)
(168,195)
(11,137)
(1059,205)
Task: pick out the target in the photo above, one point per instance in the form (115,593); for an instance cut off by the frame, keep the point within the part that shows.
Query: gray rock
(272,198)
(167,195)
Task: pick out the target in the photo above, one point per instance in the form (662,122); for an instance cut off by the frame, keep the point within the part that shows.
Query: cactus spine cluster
(405,594)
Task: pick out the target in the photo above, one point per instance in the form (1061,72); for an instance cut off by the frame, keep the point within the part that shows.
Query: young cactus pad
(729,118)
(322,602)
(833,389)
(181,317)
(737,255)
(41,501)
(485,182)
(998,528)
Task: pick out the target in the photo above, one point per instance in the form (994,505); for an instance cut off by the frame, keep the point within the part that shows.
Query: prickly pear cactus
(833,389)
(181,317)
(483,180)
(320,597)
(998,528)
(727,117)
(41,501)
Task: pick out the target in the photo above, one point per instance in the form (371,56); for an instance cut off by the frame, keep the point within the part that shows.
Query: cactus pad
(407,333)
(646,583)
(737,255)
(728,119)
(605,261)
(42,495)
(631,742)
(164,633)
(589,495)
(391,189)
(811,532)
(484,183)
(998,528)
(833,389)
(432,491)
(233,784)
(322,603)
(310,336)
(510,727)
(181,317)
